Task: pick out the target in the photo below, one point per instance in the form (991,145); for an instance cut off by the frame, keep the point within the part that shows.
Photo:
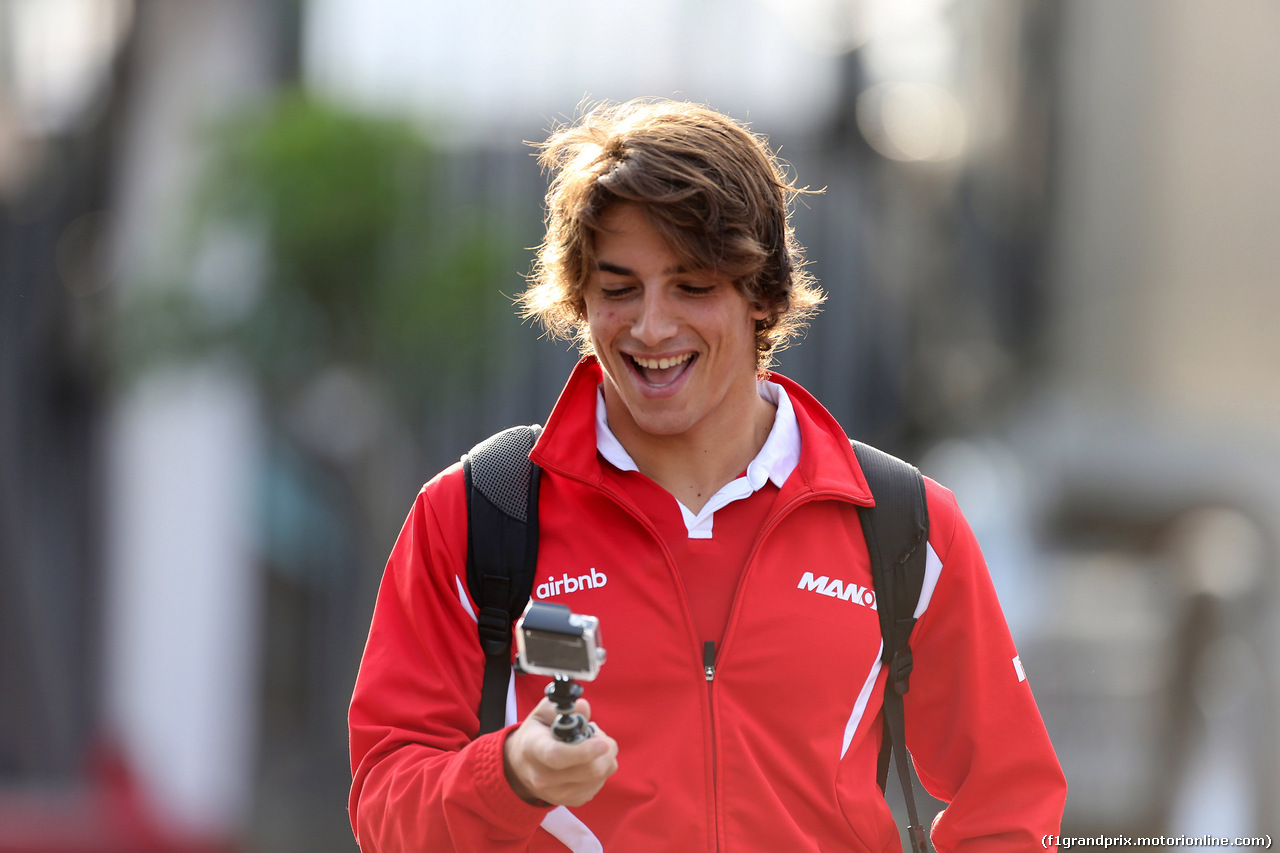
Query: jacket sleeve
(419,780)
(973,728)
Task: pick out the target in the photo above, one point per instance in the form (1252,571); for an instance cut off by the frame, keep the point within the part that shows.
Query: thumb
(545,711)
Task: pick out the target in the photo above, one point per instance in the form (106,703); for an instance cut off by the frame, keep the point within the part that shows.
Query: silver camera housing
(553,640)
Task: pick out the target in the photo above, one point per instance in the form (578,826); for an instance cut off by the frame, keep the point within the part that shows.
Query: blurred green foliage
(361,255)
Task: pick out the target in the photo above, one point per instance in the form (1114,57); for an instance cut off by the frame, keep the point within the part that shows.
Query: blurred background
(256,261)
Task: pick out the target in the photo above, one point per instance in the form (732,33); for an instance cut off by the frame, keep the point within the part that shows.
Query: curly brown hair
(715,192)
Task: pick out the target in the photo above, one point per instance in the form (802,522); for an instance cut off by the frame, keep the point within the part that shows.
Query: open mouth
(660,372)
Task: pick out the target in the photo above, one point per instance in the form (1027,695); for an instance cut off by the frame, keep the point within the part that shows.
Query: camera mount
(569,727)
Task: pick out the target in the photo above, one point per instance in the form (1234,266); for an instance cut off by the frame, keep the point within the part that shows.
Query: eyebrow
(617,269)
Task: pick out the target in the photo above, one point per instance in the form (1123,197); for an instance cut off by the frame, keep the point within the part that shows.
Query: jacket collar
(827,462)
(776,460)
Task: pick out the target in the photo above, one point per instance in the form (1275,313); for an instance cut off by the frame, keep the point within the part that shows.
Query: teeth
(662,363)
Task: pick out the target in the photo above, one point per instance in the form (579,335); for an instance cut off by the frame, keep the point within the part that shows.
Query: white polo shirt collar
(775,461)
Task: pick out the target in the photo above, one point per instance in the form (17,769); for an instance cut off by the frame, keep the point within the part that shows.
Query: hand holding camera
(556,755)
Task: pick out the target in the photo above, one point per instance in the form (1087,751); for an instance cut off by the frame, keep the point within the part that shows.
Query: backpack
(502,552)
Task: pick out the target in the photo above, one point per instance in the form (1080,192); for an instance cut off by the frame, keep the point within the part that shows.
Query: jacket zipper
(709,672)
(709,647)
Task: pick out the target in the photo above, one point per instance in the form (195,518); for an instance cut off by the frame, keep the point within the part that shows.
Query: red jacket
(778,753)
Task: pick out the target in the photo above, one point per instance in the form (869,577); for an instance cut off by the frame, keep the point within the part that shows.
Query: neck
(695,464)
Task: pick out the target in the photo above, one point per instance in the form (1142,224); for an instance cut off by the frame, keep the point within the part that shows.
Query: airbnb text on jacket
(565,583)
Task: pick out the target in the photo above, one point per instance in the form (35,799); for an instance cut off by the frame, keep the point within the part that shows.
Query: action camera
(553,640)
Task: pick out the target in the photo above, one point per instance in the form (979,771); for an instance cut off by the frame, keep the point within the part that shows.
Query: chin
(661,424)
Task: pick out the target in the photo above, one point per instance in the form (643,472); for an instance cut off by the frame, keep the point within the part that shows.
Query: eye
(697,289)
(615,291)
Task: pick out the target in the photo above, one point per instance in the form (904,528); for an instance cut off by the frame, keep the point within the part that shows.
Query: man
(690,499)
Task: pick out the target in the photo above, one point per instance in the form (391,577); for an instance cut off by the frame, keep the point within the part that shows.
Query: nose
(656,320)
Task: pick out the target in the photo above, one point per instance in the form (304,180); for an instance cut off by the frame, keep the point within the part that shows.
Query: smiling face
(678,346)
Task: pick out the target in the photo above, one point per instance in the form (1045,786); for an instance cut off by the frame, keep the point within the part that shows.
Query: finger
(577,785)
(558,755)
(557,784)
(544,711)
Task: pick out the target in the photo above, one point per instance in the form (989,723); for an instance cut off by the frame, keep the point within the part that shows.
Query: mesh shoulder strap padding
(896,530)
(502,551)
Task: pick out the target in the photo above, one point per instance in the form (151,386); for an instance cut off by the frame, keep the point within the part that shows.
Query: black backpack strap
(502,552)
(896,530)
